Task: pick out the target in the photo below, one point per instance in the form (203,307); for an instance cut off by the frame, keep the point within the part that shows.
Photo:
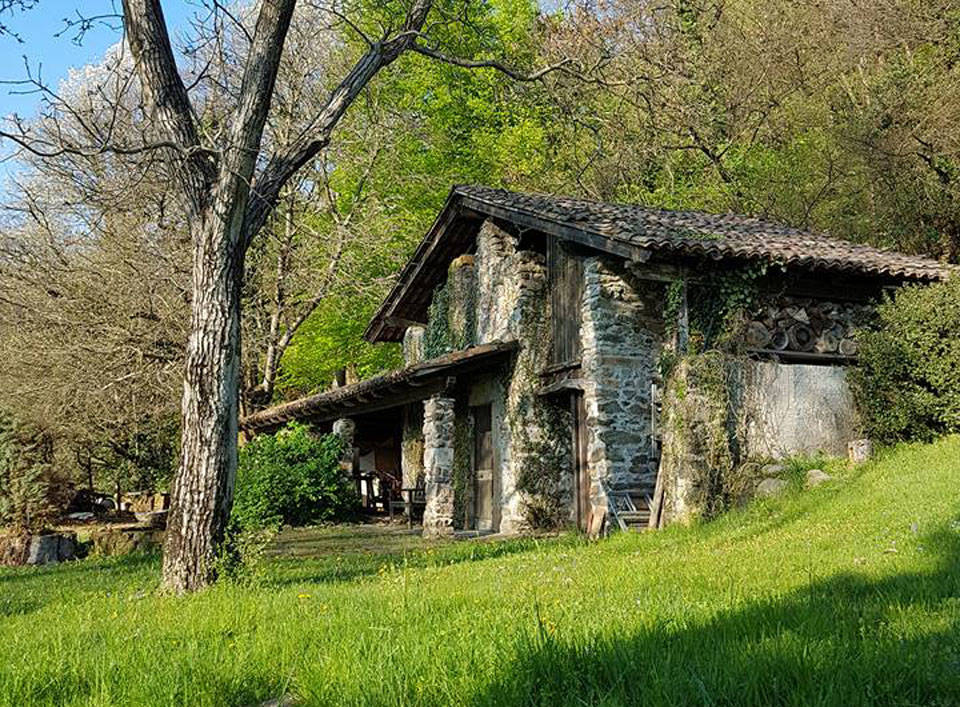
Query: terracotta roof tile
(715,236)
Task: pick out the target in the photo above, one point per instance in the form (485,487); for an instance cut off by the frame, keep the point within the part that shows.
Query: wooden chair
(413,500)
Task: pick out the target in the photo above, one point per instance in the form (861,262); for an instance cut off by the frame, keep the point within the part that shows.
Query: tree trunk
(203,487)
(225,218)
(202,493)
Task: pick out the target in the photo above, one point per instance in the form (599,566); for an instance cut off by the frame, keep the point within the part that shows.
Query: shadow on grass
(78,569)
(254,687)
(16,606)
(844,640)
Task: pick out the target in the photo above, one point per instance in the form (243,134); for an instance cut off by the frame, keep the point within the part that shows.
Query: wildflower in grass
(303,596)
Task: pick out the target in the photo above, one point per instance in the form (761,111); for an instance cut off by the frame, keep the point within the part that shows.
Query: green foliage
(907,382)
(291,478)
(31,492)
(332,339)
(717,309)
(441,335)
(446,126)
(438,336)
(462,474)
(142,457)
(546,460)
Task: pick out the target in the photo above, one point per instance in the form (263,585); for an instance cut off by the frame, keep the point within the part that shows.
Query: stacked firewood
(807,326)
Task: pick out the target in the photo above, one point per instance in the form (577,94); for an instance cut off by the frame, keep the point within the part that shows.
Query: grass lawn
(846,594)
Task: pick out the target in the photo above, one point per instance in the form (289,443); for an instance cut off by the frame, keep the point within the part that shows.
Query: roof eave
(379,322)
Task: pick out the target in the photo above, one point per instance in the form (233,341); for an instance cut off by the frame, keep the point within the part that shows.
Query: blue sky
(38,28)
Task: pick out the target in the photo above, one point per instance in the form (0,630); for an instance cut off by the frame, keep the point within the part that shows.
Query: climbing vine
(716,310)
(546,458)
(437,336)
(463,475)
(442,334)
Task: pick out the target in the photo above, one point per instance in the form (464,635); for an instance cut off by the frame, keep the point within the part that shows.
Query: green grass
(847,594)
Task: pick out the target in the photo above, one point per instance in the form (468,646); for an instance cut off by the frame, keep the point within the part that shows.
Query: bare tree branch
(165,92)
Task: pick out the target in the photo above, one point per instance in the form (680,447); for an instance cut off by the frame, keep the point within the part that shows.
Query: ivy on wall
(463,471)
(443,334)
(437,336)
(716,310)
(546,459)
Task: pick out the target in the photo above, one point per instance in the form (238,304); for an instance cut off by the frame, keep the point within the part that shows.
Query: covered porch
(400,438)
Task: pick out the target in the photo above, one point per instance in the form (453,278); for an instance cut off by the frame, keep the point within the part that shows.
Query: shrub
(907,383)
(291,478)
(31,492)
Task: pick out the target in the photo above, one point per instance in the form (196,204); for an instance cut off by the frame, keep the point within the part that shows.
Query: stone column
(438,466)
(620,348)
(529,320)
(413,345)
(345,429)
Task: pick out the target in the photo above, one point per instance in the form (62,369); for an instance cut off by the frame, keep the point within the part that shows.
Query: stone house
(548,344)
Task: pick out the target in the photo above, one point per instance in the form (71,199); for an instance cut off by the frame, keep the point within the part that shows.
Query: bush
(907,383)
(31,492)
(291,478)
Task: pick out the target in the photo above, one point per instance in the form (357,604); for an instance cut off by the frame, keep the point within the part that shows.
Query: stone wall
(696,441)
(524,485)
(497,285)
(789,410)
(413,345)
(725,415)
(506,286)
(621,336)
(462,314)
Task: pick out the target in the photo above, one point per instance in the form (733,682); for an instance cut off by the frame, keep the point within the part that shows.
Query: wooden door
(484,469)
(581,471)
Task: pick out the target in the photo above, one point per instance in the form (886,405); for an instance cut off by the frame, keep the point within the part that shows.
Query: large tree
(229,203)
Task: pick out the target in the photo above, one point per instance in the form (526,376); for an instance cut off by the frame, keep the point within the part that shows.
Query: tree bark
(203,487)
(202,493)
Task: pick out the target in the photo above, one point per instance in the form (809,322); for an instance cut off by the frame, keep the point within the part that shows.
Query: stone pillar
(529,320)
(345,429)
(411,447)
(462,315)
(438,438)
(620,347)
(413,345)
(696,446)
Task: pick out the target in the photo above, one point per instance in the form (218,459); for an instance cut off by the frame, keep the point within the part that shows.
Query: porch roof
(416,382)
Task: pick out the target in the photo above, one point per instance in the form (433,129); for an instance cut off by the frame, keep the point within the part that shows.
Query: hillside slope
(846,594)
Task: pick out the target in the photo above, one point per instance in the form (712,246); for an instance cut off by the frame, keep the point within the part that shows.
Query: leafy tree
(232,170)
(31,492)
(907,381)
